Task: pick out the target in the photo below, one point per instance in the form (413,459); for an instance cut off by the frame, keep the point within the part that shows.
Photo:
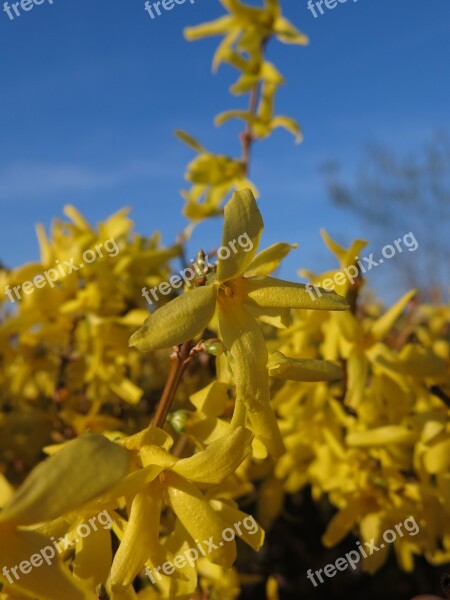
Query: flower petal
(382,436)
(242,336)
(219,460)
(129,485)
(151,436)
(437,458)
(269,259)
(212,399)
(178,321)
(198,518)
(343,521)
(93,558)
(83,469)
(140,541)
(294,369)
(384,324)
(242,221)
(253,536)
(268,291)
(357,373)
(49,581)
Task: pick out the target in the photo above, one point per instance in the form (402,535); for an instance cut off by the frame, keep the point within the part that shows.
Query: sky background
(92,92)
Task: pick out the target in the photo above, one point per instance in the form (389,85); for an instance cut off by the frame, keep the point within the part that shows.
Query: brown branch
(247,137)
(66,357)
(180,358)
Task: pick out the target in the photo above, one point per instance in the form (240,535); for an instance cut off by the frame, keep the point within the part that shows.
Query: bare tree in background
(394,195)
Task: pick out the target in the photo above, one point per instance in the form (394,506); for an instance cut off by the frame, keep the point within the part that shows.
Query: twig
(247,137)
(180,358)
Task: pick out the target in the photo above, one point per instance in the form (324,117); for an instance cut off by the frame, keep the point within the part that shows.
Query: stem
(66,358)
(180,359)
(247,137)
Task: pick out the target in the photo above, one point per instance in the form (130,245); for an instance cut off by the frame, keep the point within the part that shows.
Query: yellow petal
(242,229)
(141,539)
(437,458)
(357,372)
(345,257)
(218,27)
(390,434)
(339,251)
(420,362)
(282,367)
(151,436)
(242,336)
(384,324)
(77,218)
(198,518)
(212,399)
(219,460)
(82,470)
(251,532)
(288,34)
(290,125)
(343,521)
(153,455)
(190,141)
(44,244)
(272,589)
(93,558)
(268,291)
(177,322)
(269,259)
(183,582)
(129,485)
(46,581)
(279,318)
(6,491)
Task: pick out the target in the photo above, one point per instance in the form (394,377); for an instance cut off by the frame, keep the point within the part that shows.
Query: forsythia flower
(82,470)
(237,295)
(161,476)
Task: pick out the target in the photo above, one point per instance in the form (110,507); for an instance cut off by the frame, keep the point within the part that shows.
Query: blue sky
(92,92)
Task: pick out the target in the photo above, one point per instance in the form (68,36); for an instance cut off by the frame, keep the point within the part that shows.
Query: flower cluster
(246,31)
(234,393)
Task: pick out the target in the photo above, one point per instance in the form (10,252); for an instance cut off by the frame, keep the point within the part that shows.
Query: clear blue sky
(92,91)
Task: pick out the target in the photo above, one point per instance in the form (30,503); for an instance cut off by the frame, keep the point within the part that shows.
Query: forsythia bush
(239,386)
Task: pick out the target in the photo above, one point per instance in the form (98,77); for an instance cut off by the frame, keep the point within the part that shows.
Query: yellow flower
(245,27)
(237,298)
(82,470)
(163,477)
(212,177)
